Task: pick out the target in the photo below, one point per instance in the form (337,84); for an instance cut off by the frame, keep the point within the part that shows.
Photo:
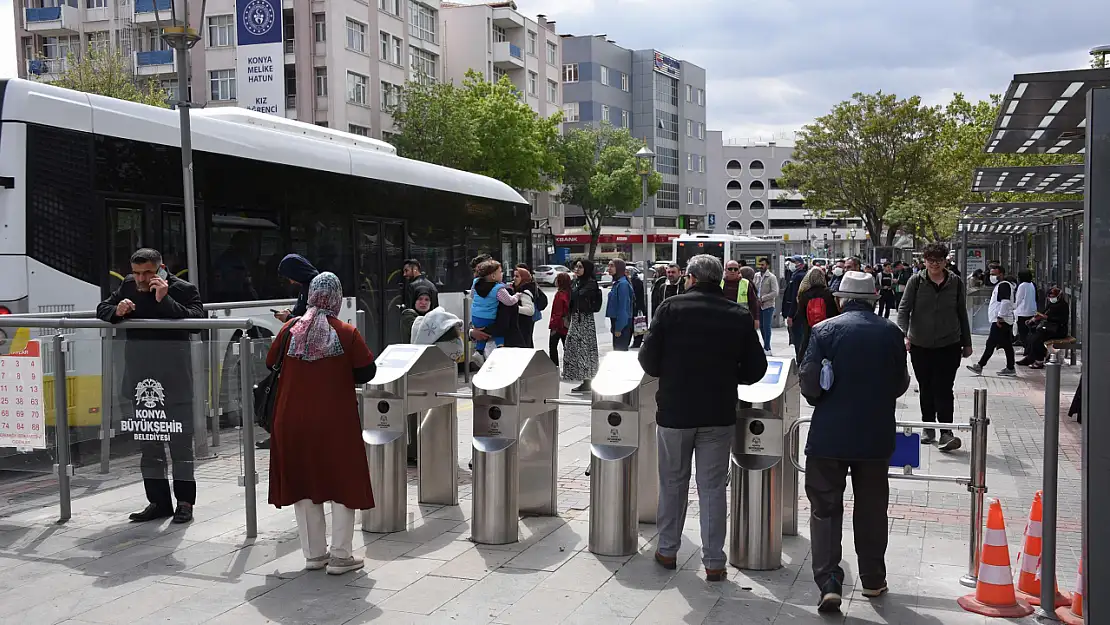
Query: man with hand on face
(157,381)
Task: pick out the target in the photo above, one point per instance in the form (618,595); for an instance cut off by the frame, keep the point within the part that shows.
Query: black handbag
(265,392)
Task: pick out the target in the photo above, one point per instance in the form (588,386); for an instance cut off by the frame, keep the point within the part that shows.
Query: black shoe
(830,597)
(666,562)
(152,512)
(949,442)
(584,387)
(262,444)
(929,437)
(184,513)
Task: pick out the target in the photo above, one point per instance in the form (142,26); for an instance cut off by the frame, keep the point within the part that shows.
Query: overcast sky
(774,65)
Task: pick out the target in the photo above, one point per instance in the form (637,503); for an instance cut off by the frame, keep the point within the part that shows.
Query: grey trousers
(711,447)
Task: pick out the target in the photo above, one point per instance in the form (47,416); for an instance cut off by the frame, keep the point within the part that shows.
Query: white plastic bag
(826,374)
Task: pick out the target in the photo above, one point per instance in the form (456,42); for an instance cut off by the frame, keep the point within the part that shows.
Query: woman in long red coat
(316,453)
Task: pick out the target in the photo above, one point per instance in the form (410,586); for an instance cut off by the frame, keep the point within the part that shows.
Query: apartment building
(659,99)
(496,40)
(342,65)
(745,198)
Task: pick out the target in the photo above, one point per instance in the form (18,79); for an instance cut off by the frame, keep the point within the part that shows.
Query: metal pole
(182,49)
(644,178)
(978,486)
(61,425)
(246,407)
(961,259)
(214,383)
(466,336)
(360,323)
(1049,471)
(106,403)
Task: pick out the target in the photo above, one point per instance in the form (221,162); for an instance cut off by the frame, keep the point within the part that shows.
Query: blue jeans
(766,316)
(711,447)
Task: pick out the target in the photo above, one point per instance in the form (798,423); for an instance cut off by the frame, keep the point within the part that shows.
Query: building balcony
(507,56)
(155,62)
(46,69)
(504,17)
(144,11)
(52,21)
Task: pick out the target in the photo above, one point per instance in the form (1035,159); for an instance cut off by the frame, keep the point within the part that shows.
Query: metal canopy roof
(1045,113)
(986,228)
(1041,179)
(1028,210)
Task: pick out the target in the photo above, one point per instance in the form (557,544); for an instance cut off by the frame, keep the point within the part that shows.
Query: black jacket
(420,283)
(585,295)
(661,291)
(701,346)
(639,299)
(801,316)
(854,420)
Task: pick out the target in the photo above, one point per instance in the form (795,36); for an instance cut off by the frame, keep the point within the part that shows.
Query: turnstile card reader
(515,446)
(406,382)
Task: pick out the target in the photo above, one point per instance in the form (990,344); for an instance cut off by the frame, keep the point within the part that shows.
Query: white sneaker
(339,566)
(315,564)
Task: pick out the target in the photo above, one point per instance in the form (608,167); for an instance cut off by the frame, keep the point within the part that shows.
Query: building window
(390,48)
(570,73)
(499,35)
(689,128)
(701,163)
(624,82)
(689,162)
(531,43)
(666,89)
(422,66)
(667,196)
(701,197)
(99,41)
(221,31)
(170,87)
(96,4)
(320,75)
(223,84)
(666,125)
(319,27)
(499,73)
(393,7)
(604,75)
(690,195)
(570,112)
(357,87)
(701,97)
(391,96)
(422,21)
(533,83)
(605,112)
(666,161)
(552,91)
(701,130)
(552,54)
(388,137)
(689,93)
(361,131)
(356,36)
(323,124)
(624,119)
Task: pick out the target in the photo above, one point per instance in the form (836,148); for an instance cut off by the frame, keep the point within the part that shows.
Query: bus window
(245,248)
(689,249)
(125,234)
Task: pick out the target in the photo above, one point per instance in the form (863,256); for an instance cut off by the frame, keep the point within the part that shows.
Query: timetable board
(22,411)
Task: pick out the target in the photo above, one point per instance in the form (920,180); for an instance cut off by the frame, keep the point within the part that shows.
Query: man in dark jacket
(158,376)
(639,299)
(796,270)
(414,277)
(666,286)
(700,346)
(852,428)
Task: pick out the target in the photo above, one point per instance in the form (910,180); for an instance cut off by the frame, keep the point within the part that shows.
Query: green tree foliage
(867,155)
(110,74)
(601,175)
(481,127)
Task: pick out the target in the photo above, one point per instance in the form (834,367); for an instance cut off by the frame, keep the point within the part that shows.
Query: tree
(868,154)
(600,175)
(481,127)
(109,74)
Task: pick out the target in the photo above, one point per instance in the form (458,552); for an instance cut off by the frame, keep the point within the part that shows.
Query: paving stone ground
(97,568)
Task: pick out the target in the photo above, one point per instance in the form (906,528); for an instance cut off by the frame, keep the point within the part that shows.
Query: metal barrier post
(61,425)
(978,485)
(1048,510)
(200,427)
(466,335)
(214,384)
(246,407)
(106,400)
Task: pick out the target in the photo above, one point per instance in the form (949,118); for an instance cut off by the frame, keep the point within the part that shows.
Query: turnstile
(763,482)
(407,382)
(624,465)
(515,448)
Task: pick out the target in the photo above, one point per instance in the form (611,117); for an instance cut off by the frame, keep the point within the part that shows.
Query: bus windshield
(688,249)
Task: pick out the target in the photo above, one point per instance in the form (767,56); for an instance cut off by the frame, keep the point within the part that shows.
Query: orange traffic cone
(1074,614)
(994,594)
(1029,569)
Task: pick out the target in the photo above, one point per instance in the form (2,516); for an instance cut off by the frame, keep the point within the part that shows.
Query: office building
(660,100)
(745,198)
(342,62)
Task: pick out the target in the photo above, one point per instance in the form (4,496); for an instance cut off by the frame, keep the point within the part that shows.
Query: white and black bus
(85,180)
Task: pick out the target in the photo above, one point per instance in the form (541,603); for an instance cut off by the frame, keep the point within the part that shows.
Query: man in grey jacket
(767,286)
(933,316)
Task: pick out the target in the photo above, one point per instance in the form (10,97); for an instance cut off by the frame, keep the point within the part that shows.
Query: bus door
(133,224)
(379,253)
(514,251)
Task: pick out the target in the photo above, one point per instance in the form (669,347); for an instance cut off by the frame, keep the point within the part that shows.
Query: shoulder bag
(265,392)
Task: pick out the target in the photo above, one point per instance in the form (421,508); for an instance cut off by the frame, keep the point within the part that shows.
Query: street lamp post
(645,163)
(835,246)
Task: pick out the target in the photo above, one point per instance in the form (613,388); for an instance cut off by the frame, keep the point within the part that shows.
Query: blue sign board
(259,22)
(712,220)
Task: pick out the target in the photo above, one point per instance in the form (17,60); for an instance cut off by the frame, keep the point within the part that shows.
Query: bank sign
(260,67)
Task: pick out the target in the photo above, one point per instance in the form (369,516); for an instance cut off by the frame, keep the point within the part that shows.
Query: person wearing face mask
(836,276)
(796,267)
(1051,323)
(1001,312)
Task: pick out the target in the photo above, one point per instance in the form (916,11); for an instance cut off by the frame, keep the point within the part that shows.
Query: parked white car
(545,274)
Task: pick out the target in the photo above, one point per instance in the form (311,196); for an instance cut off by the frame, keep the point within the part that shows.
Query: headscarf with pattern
(313,337)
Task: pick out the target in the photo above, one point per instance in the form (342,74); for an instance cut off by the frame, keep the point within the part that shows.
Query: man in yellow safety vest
(739,289)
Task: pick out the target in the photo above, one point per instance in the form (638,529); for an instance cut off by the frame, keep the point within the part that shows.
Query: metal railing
(976,482)
(227,307)
(61,416)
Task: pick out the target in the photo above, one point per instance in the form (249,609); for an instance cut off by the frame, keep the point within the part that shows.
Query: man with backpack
(933,316)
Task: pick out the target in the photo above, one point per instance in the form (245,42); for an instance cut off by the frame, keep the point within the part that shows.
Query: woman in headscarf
(299,272)
(317,452)
(580,359)
(422,305)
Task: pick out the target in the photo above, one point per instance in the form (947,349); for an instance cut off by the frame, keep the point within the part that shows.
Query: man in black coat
(667,285)
(158,377)
(700,346)
(852,428)
(639,300)
(414,277)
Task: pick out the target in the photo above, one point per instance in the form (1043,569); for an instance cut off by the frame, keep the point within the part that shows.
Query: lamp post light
(645,163)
